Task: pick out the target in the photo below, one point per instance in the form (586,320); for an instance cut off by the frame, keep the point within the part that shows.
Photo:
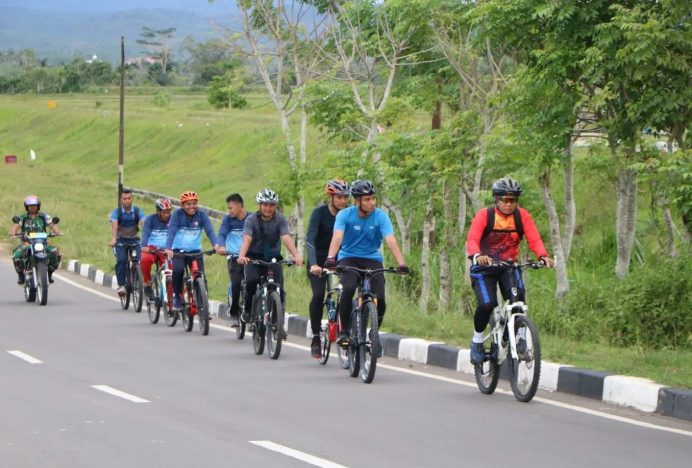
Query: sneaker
(235,322)
(343,339)
(20,278)
(50,278)
(316,347)
(477,353)
(522,348)
(149,292)
(177,302)
(121,291)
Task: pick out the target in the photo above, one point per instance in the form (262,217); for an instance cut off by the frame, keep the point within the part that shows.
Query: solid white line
(85,288)
(302,456)
(119,393)
(26,357)
(558,404)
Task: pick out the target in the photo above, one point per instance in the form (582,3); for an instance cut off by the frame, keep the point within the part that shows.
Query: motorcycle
(36,264)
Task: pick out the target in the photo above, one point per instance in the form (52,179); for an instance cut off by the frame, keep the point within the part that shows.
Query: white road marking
(558,404)
(297,454)
(120,393)
(85,288)
(26,357)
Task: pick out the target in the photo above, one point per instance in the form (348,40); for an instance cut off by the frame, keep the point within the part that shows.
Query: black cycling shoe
(20,278)
(316,347)
(149,293)
(235,322)
(343,339)
(50,278)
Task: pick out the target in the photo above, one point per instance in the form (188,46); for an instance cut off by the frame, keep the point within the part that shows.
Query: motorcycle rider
(33,220)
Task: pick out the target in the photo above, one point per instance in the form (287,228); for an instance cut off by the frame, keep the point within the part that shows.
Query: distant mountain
(94,27)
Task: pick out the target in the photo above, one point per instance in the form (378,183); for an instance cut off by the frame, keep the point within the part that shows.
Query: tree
(158,44)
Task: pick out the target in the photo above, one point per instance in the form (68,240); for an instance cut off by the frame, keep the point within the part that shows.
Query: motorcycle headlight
(38,247)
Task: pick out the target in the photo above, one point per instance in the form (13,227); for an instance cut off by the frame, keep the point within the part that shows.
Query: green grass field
(190,146)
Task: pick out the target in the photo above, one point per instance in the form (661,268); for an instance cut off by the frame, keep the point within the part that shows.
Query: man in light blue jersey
(154,235)
(358,234)
(230,240)
(185,235)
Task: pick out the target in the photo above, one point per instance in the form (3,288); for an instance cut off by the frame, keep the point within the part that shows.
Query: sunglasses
(508,200)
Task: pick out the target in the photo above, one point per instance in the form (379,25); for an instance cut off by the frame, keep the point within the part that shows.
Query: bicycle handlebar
(532,265)
(193,254)
(272,263)
(368,271)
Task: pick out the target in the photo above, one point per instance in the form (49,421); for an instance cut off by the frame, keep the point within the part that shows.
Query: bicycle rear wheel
(202,303)
(488,373)
(154,307)
(525,372)
(137,287)
(275,324)
(368,342)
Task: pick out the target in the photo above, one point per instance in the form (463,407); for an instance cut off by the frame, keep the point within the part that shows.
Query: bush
(162,99)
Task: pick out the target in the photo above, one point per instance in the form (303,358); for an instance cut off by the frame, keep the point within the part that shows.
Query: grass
(189,145)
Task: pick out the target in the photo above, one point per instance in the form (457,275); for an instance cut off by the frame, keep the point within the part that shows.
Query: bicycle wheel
(41,283)
(325,344)
(368,342)
(525,372)
(154,307)
(125,299)
(188,318)
(275,324)
(240,329)
(488,373)
(202,303)
(137,287)
(258,332)
(353,354)
(169,315)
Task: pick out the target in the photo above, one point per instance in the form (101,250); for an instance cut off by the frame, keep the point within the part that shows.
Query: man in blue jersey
(358,234)
(185,235)
(230,240)
(154,234)
(125,224)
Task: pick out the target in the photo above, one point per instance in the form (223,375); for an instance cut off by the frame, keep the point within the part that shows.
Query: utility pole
(121,135)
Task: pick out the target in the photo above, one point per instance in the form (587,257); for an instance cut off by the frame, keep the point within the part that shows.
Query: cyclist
(154,234)
(320,230)
(185,235)
(34,221)
(495,235)
(125,224)
(358,234)
(262,236)
(230,238)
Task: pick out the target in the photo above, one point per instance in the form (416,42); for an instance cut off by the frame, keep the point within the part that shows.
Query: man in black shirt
(318,238)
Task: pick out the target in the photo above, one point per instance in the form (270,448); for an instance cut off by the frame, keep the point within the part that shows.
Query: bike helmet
(163,204)
(267,196)
(337,187)
(506,186)
(32,200)
(187,196)
(361,188)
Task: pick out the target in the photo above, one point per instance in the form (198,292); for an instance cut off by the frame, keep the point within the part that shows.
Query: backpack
(120,215)
(519,226)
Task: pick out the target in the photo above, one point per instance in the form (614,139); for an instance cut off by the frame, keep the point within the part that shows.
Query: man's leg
(18,262)
(485,288)
(252,276)
(349,282)
(120,267)
(318,285)
(177,276)
(237,272)
(146,263)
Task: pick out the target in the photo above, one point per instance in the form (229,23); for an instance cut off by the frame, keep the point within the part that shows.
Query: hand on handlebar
(243,260)
(548,262)
(298,261)
(403,269)
(315,270)
(484,260)
(169,254)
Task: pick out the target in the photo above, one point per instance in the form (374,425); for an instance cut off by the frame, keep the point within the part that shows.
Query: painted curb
(621,390)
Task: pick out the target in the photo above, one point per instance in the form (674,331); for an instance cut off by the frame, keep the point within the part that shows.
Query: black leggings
(350,281)
(179,270)
(236,273)
(484,281)
(252,278)
(319,286)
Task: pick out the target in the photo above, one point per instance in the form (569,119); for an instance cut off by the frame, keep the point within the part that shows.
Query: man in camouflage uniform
(34,221)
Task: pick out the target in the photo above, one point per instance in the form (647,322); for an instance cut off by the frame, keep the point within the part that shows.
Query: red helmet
(337,187)
(163,204)
(187,196)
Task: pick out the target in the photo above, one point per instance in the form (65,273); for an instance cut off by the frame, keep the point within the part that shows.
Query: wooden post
(121,135)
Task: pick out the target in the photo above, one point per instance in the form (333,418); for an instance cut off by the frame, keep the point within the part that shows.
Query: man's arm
(288,242)
(242,255)
(390,240)
(114,233)
(14,230)
(335,245)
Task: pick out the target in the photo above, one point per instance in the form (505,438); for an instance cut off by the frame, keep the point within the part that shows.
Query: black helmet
(506,186)
(360,188)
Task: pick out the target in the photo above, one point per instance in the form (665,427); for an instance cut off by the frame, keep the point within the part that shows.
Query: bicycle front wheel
(353,354)
(525,371)
(369,342)
(154,307)
(488,373)
(325,344)
(258,332)
(137,287)
(202,303)
(275,324)
(169,315)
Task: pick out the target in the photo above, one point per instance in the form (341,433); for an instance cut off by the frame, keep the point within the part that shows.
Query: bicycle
(134,286)
(162,287)
(240,329)
(195,295)
(363,346)
(266,320)
(331,329)
(512,334)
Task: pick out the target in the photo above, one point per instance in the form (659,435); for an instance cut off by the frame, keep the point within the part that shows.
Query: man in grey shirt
(262,236)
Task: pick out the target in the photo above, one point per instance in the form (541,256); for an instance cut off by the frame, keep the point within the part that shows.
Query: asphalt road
(209,401)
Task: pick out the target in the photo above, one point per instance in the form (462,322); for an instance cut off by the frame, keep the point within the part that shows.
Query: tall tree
(158,43)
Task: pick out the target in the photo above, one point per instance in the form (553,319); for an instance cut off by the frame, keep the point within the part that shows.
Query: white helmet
(267,196)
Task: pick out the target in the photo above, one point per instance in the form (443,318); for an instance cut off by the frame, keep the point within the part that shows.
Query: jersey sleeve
(340,221)
(172,228)
(114,215)
(249,226)
(533,237)
(146,231)
(385,224)
(311,237)
(283,227)
(209,228)
(473,238)
(142,216)
(223,230)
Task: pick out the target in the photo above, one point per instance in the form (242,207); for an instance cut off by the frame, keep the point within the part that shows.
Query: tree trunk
(401,224)
(448,241)
(570,205)
(461,215)
(626,219)
(425,258)
(562,287)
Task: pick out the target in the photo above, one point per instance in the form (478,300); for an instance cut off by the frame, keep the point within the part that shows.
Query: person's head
(163,209)
(126,199)
(189,201)
(267,199)
(32,204)
(364,195)
(506,192)
(235,204)
(338,192)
